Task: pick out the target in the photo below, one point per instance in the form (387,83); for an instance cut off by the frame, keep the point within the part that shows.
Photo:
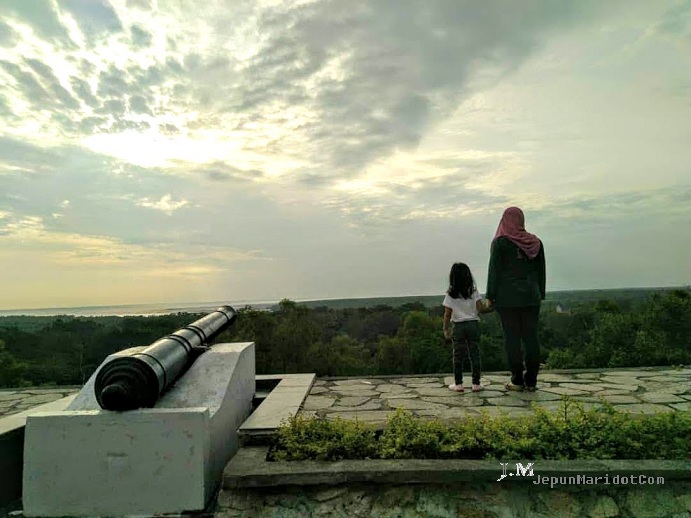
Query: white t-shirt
(462,309)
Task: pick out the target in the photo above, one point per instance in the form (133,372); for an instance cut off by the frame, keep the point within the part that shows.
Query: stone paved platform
(644,390)
(370,400)
(13,401)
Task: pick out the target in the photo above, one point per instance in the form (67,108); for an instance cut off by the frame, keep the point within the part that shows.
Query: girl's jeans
(466,346)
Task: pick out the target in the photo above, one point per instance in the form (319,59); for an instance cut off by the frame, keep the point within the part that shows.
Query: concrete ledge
(250,469)
(282,403)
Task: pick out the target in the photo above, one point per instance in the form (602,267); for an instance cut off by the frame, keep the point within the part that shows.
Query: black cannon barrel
(137,380)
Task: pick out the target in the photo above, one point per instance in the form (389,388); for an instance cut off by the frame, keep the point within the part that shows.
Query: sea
(136,309)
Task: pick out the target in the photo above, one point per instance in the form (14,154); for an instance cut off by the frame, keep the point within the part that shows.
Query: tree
(393,356)
(12,371)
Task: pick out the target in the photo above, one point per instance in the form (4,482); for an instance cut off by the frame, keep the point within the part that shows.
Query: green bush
(319,439)
(570,433)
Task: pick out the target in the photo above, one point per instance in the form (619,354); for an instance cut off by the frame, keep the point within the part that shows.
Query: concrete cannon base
(86,461)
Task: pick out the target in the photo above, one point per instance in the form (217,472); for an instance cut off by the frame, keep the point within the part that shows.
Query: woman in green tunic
(515,288)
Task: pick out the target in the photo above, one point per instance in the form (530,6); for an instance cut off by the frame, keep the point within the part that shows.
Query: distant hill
(566,298)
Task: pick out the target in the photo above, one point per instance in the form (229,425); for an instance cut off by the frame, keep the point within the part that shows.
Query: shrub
(319,439)
(570,433)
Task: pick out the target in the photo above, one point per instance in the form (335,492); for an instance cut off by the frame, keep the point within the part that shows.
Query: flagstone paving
(13,401)
(374,400)
(640,391)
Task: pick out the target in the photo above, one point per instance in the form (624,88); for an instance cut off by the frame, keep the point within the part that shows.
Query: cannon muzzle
(137,380)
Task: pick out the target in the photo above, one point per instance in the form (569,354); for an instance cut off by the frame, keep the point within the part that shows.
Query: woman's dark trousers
(466,346)
(520,324)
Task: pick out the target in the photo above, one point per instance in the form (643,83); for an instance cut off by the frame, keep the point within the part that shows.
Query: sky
(183,151)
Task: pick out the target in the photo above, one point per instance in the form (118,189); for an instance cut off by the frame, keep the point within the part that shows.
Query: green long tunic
(513,279)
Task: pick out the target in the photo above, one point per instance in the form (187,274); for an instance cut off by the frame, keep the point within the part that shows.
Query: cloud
(94,17)
(140,37)
(8,36)
(41,17)
(366,142)
(165,204)
(51,83)
(676,22)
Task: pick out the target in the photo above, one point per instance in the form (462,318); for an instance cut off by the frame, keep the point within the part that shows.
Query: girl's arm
(484,308)
(447,320)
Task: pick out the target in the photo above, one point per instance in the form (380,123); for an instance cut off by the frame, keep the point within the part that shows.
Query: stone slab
(587,387)
(318,390)
(644,408)
(454,401)
(555,378)
(621,380)
(348,391)
(587,375)
(660,397)
(666,379)
(495,378)
(414,404)
(661,388)
(405,381)
(565,391)
(619,400)
(683,407)
(618,386)
(391,388)
(396,395)
(540,395)
(632,373)
(489,393)
(372,405)
(506,401)
(318,402)
(352,401)
(357,383)
(439,392)
(611,392)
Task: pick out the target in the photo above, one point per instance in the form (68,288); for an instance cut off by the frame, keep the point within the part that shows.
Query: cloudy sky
(177,150)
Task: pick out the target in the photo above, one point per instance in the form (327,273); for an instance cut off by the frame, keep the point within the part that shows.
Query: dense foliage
(570,433)
(625,332)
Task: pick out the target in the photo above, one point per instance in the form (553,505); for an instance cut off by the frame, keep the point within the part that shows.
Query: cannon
(137,380)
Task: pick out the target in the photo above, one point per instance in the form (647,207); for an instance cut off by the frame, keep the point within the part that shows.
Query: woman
(515,288)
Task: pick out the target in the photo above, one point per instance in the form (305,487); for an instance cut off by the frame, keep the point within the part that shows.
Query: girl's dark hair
(461,281)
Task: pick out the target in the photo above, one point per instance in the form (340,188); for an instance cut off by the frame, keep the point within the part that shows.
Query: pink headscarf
(512,226)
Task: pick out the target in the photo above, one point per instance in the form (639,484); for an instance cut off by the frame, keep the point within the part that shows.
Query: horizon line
(179,305)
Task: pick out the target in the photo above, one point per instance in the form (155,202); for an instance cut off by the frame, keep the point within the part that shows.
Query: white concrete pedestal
(86,461)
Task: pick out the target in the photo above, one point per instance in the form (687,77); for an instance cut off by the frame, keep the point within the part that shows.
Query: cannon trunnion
(137,380)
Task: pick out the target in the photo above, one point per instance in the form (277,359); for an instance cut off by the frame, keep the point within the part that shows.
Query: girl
(463,305)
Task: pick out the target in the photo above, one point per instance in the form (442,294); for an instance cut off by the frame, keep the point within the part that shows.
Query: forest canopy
(407,339)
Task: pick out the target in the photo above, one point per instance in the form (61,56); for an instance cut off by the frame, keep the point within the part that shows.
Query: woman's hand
(447,334)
